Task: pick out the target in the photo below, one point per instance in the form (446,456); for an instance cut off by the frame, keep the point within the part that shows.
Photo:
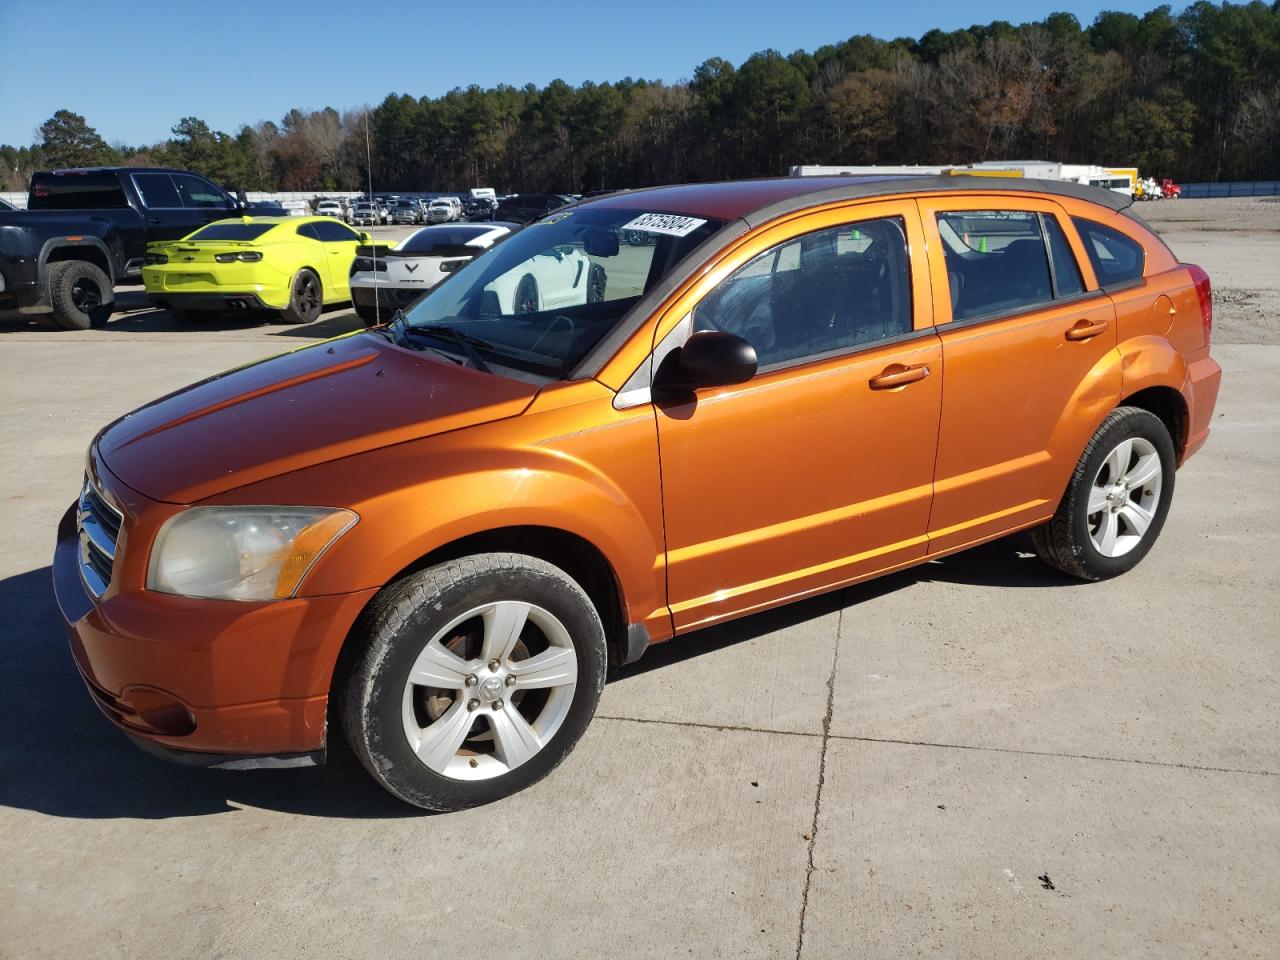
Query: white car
(444,210)
(562,277)
(330,208)
(384,279)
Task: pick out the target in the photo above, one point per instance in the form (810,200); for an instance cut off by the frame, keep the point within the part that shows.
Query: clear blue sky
(133,69)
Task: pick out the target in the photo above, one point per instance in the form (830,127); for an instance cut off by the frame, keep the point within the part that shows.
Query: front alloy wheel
(478,702)
(472,679)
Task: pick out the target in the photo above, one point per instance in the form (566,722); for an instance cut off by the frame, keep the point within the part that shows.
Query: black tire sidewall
(532,282)
(1139,423)
(62,278)
(380,739)
(292,313)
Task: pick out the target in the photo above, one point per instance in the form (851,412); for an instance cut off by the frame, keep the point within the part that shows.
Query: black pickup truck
(85,231)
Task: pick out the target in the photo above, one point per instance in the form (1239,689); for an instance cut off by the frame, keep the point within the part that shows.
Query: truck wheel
(81,295)
(305,299)
(1117,500)
(475,678)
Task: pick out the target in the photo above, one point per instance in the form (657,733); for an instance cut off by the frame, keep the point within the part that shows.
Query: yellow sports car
(292,266)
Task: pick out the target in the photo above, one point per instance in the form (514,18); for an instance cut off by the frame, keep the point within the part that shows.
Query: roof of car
(756,201)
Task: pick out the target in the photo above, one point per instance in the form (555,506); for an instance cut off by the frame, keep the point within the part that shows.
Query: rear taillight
(248,256)
(1204,290)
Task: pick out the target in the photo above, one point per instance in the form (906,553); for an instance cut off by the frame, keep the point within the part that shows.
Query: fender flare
(73,240)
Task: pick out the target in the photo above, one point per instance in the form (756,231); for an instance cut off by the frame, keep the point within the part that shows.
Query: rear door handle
(1084,329)
(898,375)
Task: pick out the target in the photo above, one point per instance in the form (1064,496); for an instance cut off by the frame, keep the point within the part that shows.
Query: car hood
(309,406)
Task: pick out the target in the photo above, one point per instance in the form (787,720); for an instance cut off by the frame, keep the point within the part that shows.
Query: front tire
(476,678)
(306,297)
(81,295)
(1116,503)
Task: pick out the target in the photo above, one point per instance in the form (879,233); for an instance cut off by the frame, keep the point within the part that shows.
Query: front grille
(98,524)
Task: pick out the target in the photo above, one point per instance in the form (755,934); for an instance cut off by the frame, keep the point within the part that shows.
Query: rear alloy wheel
(478,677)
(81,295)
(305,299)
(597,280)
(1117,500)
(526,298)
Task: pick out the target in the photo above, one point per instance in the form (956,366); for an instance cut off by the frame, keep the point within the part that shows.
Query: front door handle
(898,375)
(1084,329)
(154,220)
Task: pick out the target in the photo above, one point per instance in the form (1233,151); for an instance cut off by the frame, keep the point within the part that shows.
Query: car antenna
(373,247)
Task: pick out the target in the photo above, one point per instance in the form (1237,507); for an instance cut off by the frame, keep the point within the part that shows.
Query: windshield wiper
(440,331)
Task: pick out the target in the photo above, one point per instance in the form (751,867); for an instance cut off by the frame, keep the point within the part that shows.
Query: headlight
(242,553)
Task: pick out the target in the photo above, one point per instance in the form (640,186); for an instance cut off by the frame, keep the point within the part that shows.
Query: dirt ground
(1237,241)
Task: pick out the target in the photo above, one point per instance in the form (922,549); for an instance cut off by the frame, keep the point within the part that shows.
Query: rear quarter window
(1116,258)
(232,231)
(76,191)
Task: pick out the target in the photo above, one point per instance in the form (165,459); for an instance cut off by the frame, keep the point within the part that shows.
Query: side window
(1115,257)
(157,191)
(308,231)
(196,192)
(821,293)
(996,262)
(1067,281)
(333,232)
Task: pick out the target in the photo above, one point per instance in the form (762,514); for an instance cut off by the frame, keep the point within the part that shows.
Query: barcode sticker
(670,224)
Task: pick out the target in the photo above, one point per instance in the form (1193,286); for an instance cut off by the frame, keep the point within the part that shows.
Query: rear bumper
(1204,377)
(236,684)
(390,298)
(211,301)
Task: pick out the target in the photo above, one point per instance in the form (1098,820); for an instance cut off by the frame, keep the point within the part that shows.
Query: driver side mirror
(709,358)
(365,239)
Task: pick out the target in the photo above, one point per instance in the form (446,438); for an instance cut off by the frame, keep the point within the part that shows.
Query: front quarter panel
(571,462)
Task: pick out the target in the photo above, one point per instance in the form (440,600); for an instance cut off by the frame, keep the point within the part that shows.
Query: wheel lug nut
(474,762)
(493,665)
(473,704)
(471,680)
(497,704)
(511,680)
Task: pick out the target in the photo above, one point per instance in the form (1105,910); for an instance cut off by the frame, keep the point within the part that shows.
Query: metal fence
(1239,188)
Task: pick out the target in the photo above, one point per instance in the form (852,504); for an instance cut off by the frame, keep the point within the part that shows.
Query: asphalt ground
(974,758)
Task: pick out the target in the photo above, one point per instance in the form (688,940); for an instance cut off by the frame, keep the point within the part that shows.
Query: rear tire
(81,295)
(306,297)
(475,679)
(526,299)
(1116,501)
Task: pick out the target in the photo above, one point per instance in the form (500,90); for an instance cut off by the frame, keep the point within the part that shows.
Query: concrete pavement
(974,758)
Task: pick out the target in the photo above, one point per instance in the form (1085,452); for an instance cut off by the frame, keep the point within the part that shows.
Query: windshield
(544,297)
(433,238)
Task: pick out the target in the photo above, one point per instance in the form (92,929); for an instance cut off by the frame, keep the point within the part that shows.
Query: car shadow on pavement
(59,756)
(1008,562)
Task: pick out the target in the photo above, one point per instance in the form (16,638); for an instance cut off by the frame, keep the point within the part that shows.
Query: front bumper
(237,684)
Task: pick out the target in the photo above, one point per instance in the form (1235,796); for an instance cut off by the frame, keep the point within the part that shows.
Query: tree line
(1193,95)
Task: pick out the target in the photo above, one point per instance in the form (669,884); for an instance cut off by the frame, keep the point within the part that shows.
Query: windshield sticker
(667,223)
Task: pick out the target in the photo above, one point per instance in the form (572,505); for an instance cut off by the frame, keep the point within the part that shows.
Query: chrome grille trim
(98,525)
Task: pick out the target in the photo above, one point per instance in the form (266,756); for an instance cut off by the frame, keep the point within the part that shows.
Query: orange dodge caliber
(644,414)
